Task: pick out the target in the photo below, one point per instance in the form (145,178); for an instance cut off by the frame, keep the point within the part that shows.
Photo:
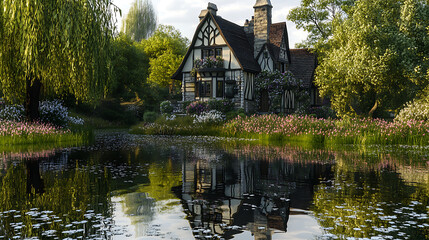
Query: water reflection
(238,192)
(133,187)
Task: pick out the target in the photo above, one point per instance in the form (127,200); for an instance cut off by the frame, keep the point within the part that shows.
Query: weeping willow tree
(54,46)
(140,22)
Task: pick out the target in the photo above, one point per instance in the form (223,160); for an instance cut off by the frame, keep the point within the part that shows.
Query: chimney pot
(212,8)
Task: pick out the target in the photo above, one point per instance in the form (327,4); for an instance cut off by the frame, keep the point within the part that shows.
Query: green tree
(378,57)
(140,22)
(54,46)
(166,48)
(130,69)
(316,17)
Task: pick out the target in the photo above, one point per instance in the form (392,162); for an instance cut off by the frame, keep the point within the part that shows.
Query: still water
(142,187)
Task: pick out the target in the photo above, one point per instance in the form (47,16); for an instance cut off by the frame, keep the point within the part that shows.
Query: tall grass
(182,126)
(22,133)
(328,131)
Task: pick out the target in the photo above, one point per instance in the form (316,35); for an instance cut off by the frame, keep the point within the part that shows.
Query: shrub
(197,108)
(233,114)
(54,112)
(322,112)
(185,106)
(213,116)
(224,105)
(416,110)
(166,107)
(150,116)
(12,113)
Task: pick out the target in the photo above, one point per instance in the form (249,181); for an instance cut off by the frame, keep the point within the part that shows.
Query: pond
(145,187)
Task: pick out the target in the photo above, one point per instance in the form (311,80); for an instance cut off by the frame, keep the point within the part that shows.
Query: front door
(265,102)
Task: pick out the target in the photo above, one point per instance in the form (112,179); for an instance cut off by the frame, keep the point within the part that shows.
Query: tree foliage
(165,49)
(140,22)
(378,57)
(316,17)
(54,46)
(130,68)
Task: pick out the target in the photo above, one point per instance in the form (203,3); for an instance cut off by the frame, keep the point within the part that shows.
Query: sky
(183,14)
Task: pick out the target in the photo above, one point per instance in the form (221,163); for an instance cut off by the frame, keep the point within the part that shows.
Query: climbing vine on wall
(276,83)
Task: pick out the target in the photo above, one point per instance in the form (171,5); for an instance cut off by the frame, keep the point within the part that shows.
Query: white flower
(416,110)
(213,117)
(12,113)
(170,118)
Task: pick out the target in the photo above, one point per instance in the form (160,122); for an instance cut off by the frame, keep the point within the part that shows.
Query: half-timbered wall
(283,52)
(209,35)
(266,61)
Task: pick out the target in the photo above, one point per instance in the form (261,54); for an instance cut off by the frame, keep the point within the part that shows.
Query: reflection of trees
(365,203)
(140,206)
(66,197)
(162,179)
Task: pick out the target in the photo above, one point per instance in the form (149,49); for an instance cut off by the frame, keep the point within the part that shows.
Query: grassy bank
(298,129)
(328,131)
(18,135)
(182,126)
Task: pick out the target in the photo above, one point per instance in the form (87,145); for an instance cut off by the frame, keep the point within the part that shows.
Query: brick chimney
(262,23)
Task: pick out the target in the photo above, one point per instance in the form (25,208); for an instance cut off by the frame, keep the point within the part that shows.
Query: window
(217,52)
(219,88)
(203,89)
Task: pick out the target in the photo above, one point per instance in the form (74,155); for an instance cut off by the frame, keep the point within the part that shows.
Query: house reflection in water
(231,195)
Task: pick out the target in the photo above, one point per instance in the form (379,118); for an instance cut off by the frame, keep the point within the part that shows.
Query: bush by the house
(197,108)
(224,105)
(150,117)
(165,107)
(213,117)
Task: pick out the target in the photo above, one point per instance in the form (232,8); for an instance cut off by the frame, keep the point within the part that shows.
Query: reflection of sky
(170,224)
(300,227)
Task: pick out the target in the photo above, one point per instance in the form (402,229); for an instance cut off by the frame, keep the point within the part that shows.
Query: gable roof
(235,38)
(278,34)
(303,64)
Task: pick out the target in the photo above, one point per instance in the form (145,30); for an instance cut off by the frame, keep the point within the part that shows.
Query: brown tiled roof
(303,63)
(276,33)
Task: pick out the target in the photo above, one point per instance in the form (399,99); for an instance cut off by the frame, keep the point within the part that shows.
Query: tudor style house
(224,58)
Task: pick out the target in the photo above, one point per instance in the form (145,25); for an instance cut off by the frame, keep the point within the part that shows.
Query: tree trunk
(34,179)
(32,99)
(371,112)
